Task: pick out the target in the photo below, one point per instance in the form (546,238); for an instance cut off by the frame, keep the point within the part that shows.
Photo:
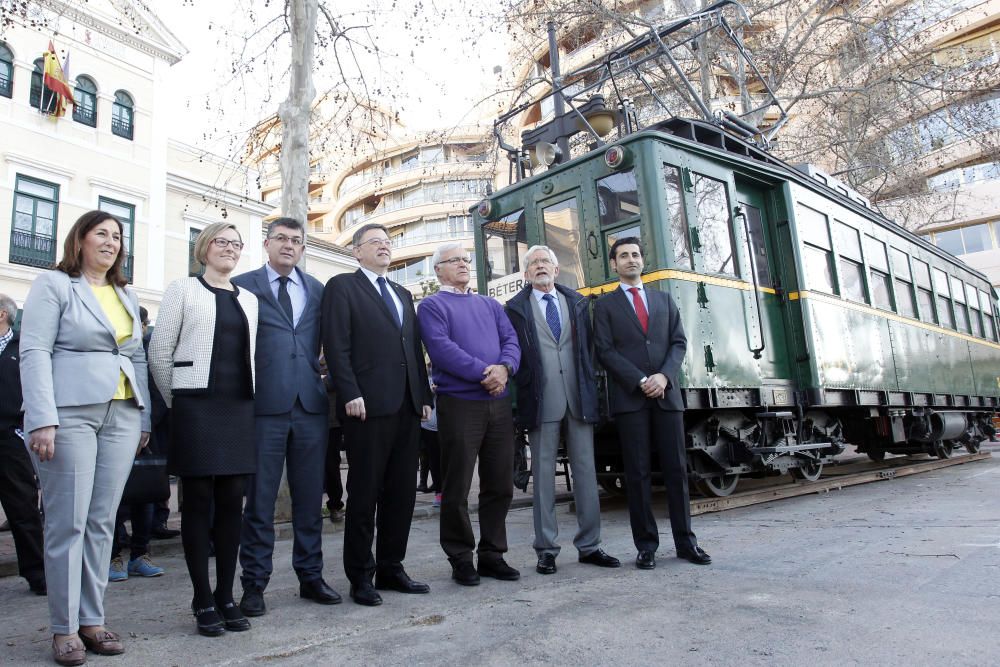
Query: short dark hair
(72,260)
(628,240)
(290,223)
(143,315)
(356,239)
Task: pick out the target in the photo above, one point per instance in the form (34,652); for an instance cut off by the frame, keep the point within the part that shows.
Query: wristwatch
(510,369)
(643,380)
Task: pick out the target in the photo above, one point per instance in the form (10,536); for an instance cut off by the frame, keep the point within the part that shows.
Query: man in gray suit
(291,419)
(556,391)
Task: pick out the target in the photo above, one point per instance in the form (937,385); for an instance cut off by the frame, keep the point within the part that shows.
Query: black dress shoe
(600,559)
(364,593)
(698,556)
(208,620)
(399,581)
(646,560)
(232,617)
(498,569)
(546,564)
(161,532)
(252,603)
(464,572)
(318,591)
(38,587)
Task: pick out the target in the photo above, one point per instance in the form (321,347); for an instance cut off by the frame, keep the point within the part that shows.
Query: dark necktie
(640,309)
(284,300)
(383,287)
(552,316)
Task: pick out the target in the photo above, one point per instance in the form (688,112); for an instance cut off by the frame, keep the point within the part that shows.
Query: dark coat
(368,354)
(528,378)
(628,354)
(287,356)
(11,416)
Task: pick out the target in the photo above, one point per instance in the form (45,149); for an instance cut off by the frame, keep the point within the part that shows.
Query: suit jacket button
(648,342)
(115,352)
(294,355)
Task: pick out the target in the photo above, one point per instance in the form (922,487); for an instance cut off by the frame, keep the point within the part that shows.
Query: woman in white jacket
(202,358)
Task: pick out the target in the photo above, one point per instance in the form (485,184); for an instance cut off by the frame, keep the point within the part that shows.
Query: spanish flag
(54,79)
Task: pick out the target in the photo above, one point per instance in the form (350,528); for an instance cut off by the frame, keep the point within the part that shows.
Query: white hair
(442,249)
(535,248)
(7,304)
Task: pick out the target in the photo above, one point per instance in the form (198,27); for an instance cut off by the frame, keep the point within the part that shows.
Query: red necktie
(640,309)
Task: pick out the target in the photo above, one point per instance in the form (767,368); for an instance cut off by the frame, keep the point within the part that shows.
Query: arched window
(6,71)
(122,115)
(85,101)
(41,97)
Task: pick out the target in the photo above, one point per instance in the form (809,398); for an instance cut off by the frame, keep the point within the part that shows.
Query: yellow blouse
(122,322)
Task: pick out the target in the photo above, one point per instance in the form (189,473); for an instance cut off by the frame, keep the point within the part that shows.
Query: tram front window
(506,245)
(617,198)
(713,226)
(562,234)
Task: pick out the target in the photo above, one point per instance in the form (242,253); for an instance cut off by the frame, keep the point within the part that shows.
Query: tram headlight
(485,209)
(617,157)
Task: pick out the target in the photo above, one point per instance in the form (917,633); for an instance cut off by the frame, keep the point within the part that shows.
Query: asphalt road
(905,572)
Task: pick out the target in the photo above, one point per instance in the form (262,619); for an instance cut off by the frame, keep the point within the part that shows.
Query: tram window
(617,197)
(758,244)
(714,231)
(848,241)
(957,290)
(984,301)
(921,274)
(611,237)
(900,264)
(926,301)
(962,318)
(941,282)
(506,245)
(678,218)
(561,224)
(945,316)
(813,228)
(852,280)
(977,323)
(819,273)
(904,298)
(880,290)
(875,250)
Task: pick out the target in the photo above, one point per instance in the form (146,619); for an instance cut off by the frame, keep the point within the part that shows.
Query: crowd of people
(270,372)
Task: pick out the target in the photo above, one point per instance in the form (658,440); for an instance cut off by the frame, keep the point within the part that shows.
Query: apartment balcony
(352,190)
(32,249)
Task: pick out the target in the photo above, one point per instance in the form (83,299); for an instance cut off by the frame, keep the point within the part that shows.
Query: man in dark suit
(372,343)
(291,419)
(641,343)
(18,491)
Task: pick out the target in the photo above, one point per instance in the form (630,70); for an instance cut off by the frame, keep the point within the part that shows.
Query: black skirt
(212,433)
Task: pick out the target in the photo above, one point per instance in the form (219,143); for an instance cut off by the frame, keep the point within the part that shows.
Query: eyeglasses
(378,243)
(455,261)
(222,243)
(540,260)
(281,238)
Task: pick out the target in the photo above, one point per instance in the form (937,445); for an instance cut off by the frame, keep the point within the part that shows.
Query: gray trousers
(544,444)
(81,489)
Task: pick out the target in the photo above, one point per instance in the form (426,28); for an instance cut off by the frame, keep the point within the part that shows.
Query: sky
(436,59)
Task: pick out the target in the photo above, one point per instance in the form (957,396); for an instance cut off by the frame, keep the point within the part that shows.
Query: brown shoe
(103,642)
(68,651)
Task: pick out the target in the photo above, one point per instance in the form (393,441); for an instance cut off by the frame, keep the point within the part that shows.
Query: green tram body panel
(813,340)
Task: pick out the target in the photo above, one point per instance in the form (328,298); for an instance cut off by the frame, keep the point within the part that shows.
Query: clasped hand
(655,385)
(495,379)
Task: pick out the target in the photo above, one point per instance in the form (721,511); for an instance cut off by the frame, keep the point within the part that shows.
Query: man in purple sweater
(474,351)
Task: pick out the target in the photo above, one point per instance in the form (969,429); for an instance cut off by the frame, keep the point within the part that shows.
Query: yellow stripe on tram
(674,274)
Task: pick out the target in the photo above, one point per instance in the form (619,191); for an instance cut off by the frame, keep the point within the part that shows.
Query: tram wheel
(810,470)
(613,485)
(972,447)
(943,449)
(876,454)
(719,486)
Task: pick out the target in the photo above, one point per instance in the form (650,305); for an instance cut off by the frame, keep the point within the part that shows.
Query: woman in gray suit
(83,372)
(202,359)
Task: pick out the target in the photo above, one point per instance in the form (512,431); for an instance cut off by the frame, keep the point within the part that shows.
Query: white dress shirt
(543,304)
(642,295)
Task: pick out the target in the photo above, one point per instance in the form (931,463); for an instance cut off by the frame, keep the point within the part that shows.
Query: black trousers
(381,491)
(468,430)
(141,516)
(432,457)
(332,483)
(19,497)
(640,432)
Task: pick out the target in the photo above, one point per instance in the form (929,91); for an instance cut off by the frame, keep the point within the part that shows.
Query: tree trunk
(295,112)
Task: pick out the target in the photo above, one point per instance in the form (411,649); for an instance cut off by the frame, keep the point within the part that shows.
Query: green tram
(812,321)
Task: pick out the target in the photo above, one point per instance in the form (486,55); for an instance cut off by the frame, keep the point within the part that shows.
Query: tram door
(756,218)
